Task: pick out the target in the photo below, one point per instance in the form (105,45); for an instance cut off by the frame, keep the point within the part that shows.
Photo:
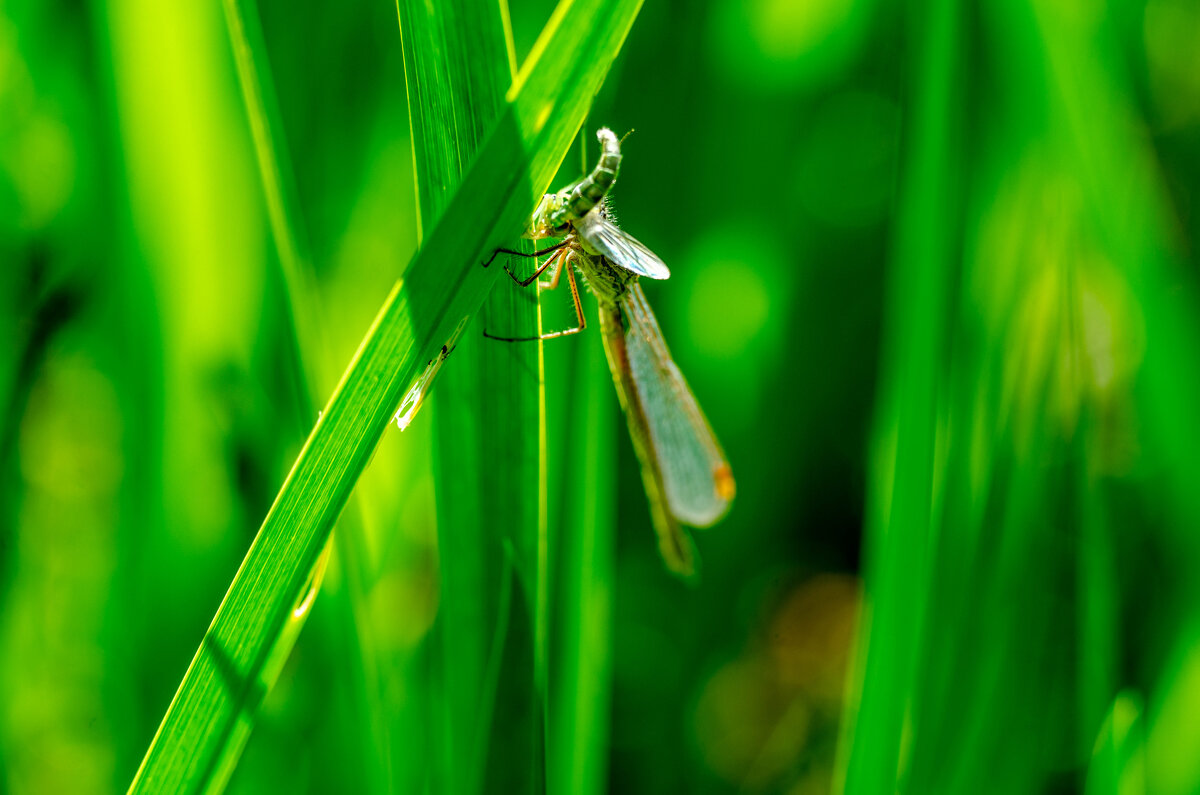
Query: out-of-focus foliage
(933,282)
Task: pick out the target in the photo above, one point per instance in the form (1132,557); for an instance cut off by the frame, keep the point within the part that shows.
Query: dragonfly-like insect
(685,472)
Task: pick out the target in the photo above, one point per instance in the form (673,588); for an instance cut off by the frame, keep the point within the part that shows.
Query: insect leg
(514,253)
(569,266)
(558,255)
(553,283)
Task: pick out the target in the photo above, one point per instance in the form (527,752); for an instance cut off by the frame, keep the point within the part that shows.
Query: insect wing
(601,236)
(674,543)
(697,482)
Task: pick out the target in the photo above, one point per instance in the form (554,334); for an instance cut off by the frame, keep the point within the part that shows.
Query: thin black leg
(537,273)
(578,310)
(513,253)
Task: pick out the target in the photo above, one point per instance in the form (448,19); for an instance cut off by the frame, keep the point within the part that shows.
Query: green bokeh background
(933,282)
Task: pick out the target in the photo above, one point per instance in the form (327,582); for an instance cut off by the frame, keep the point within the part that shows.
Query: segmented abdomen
(591,189)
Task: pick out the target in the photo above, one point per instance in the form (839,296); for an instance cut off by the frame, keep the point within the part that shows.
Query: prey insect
(684,470)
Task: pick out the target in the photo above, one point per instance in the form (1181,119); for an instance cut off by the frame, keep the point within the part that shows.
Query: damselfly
(684,470)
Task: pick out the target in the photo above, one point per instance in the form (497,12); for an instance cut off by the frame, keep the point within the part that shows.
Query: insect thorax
(607,282)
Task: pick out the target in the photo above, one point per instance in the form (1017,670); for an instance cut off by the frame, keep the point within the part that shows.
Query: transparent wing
(696,480)
(601,236)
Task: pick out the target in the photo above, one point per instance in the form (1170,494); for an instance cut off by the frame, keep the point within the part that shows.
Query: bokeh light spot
(729,306)
(41,163)
(70,438)
(785,44)
(785,30)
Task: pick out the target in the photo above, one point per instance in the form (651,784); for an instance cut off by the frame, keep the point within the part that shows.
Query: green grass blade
(1119,758)
(309,360)
(208,718)
(489,476)
(583,567)
(279,191)
(457,70)
(898,513)
(1150,750)
(993,643)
